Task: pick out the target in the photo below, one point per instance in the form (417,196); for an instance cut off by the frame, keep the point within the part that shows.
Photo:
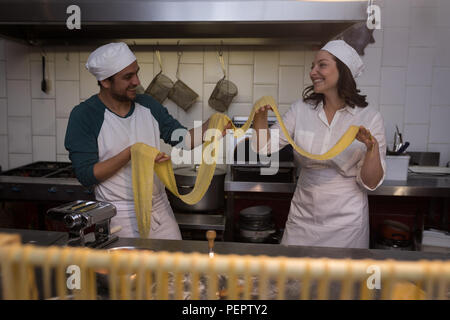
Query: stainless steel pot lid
(192,171)
(256,211)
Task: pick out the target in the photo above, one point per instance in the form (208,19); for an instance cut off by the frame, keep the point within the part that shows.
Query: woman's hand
(161,157)
(262,111)
(365,137)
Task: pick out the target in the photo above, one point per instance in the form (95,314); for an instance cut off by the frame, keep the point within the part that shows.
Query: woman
(330,207)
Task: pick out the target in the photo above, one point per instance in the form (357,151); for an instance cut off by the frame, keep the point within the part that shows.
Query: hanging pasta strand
(263,283)
(324,282)
(306,281)
(247,279)
(212,279)
(347,282)
(281,281)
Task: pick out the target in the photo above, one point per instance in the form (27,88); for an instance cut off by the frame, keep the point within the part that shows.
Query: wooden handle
(211,236)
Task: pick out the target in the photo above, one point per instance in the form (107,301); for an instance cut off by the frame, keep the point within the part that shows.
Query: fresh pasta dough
(143,163)
(410,279)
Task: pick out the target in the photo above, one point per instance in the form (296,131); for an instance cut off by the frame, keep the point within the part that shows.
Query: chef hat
(341,50)
(109,59)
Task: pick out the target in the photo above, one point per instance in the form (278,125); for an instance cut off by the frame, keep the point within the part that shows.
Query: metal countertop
(415,186)
(274,250)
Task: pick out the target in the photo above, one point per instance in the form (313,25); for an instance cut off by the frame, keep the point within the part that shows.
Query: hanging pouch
(224,91)
(180,93)
(160,86)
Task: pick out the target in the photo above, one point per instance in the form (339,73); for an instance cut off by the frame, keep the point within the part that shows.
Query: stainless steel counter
(275,250)
(415,186)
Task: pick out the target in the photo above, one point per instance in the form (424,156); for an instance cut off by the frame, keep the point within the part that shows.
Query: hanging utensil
(43,82)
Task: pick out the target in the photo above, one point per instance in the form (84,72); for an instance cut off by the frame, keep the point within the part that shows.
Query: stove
(43,180)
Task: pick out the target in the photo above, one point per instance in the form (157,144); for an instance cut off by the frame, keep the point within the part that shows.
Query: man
(102,129)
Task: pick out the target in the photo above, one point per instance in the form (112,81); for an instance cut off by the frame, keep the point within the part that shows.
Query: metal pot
(211,201)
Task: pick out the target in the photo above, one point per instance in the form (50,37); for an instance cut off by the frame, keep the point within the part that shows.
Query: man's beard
(121,97)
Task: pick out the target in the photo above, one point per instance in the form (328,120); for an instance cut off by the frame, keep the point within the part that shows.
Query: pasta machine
(80,215)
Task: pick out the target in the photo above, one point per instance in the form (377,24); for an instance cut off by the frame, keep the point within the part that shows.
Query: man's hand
(228,126)
(161,157)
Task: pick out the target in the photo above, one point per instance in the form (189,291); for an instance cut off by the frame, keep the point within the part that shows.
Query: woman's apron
(327,210)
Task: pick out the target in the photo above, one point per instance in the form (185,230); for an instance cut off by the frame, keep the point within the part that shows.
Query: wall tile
(444,152)
(442,51)
(3,117)
(378,37)
(393,85)
(417,135)
(67,66)
(423,22)
(372,72)
(172,108)
(309,58)
(443,13)
(36,55)
(88,83)
(36,80)
(242,77)
(260,90)
(392,116)
(395,47)
(192,76)
(19,159)
(396,13)
(440,93)
(420,66)
(372,96)
(292,56)
(192,55)
(44,148)
(4,158)
(242,56)
(67,97)
(207,111)
(417,107)
(143,56)
(19,98)
(439,128)
(240,109)
(213,70)
(291,84)
(61,127)
(169,60)
(188,117)
(2,79)
(266,67)
(19,134)
(84,53)
(62,158)
(43,117)
(424,3)
(145,74)
(18,63)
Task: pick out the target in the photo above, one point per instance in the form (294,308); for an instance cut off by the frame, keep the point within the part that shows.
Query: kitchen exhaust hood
(168,22)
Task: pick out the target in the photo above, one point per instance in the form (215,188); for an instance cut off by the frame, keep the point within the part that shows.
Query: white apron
(327,210)
(116,134)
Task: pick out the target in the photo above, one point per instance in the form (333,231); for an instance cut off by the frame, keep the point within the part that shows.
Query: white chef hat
(344,52)
(109,59)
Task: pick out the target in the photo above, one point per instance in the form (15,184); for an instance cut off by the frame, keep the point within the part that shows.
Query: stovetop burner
(42,169)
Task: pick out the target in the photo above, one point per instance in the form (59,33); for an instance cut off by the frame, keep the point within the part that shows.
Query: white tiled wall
(407,78)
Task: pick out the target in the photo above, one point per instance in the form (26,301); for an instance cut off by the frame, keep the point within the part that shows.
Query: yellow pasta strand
(18,282)
(143,163)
